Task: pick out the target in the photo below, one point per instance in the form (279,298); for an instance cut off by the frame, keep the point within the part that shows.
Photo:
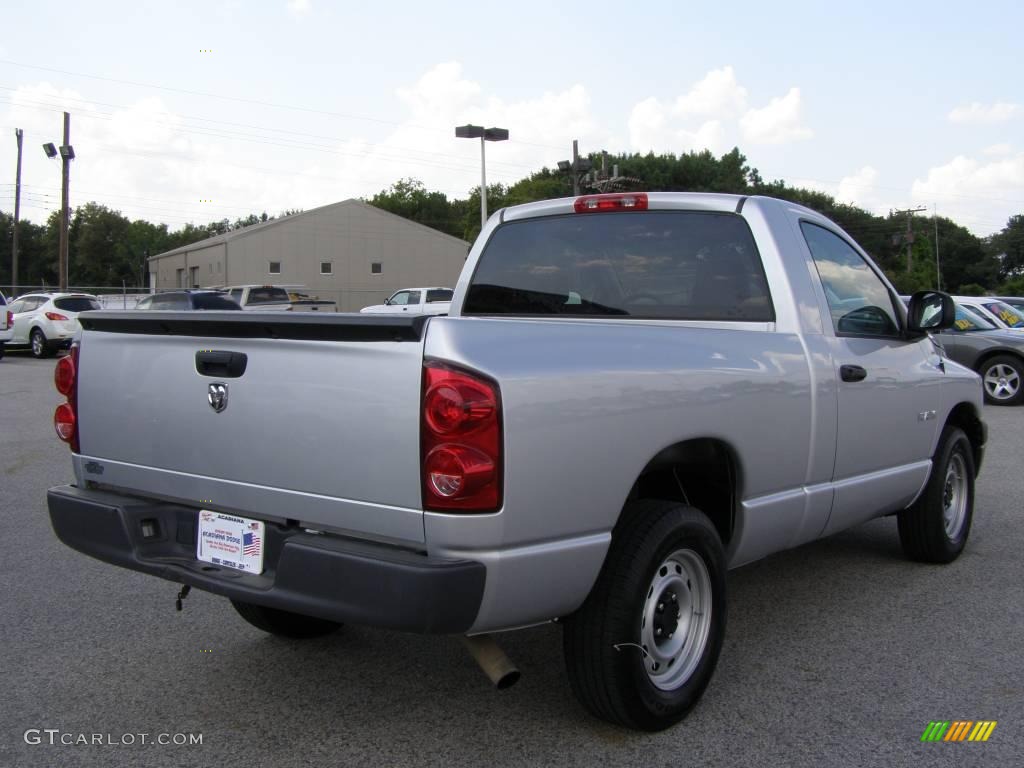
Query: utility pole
(575,168)
(65,176)
(909,238)
(19,134)
(938,269)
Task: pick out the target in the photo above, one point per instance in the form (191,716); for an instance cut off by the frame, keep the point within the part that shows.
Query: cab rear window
(676,265)
(268,296)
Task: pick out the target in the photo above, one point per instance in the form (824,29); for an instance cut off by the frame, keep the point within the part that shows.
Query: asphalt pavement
(838,653)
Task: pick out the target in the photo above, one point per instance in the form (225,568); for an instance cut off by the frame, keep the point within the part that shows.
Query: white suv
(6,324)
(47,322)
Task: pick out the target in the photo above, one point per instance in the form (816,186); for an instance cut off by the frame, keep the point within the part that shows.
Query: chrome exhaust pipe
(492,660)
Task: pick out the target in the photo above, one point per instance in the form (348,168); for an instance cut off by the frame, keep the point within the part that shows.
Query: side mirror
(930,311)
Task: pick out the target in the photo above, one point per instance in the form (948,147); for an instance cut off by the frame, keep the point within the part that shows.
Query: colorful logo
(958,730)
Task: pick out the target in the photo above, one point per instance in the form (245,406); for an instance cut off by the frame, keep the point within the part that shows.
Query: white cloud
(652,127)
(777,123)
(858,188)
(298,7)
(999,149)
(981,195)
(717,95)
(978,113)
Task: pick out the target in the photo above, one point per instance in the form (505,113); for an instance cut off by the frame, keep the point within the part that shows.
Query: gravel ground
(837,653)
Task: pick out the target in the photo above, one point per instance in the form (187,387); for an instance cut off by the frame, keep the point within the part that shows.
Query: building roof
(254,228)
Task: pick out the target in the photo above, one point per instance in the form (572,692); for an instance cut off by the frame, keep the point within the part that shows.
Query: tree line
(107,248)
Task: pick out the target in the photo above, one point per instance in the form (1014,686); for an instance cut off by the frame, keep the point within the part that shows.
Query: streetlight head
(564,165)
(50,150)
(469,131)
(67,152)
(496,134)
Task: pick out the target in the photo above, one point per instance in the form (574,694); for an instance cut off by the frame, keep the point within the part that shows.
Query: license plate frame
(230,541)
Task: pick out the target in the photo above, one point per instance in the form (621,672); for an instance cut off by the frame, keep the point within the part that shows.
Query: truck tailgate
(322,426)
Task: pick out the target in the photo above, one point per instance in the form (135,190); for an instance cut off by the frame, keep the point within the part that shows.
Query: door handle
(852,373)
(222,365)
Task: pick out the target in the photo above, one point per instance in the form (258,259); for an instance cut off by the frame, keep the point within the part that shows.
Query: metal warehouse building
(350,252)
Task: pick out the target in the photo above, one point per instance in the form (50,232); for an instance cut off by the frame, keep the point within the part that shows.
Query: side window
(400,299)
(858,300)
(145,304)
(439,295)
(236,294)
(16,307)
(414,297)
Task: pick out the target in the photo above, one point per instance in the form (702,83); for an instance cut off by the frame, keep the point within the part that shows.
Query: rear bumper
(340,579)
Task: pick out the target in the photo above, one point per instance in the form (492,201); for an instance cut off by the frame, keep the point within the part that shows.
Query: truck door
(887,404)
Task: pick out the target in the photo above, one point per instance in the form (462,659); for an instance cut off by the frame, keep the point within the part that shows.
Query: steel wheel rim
(37,344)
(1002,382)
(954,495)
(674,647)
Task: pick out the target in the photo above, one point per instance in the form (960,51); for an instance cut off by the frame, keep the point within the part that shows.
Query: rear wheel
(1003,377)
(642,648)
(2,345)
(935,528)
(39,345)
(284,623)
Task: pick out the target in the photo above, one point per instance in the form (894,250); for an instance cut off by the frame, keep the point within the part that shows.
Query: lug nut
(658,632)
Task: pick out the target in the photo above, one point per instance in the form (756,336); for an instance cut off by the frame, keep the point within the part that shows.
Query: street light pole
(484,134)
(67,154)
(65,177)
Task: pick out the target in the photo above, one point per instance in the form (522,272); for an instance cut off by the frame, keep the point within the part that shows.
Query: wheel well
(965,417)
(702,473)
(996,353)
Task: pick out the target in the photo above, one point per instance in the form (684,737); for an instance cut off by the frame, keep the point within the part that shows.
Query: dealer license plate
(230,541)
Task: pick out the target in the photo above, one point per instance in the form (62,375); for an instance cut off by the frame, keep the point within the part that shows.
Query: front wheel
(284,623)
(642,648)
(935,528)
(39,345)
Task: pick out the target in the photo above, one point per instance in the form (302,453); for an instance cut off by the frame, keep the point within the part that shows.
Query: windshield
(970,321)
(679,265)
(1005,312)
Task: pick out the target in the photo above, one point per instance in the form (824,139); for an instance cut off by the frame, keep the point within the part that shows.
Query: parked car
(46,322)
(415,301)
(997,354)
(6,324)
(184,301)
(631,394)
(265,298)
(999,312)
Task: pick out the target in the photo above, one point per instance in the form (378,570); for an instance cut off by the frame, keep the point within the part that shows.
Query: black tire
(284,623)
(38,344)
(935,528)
(1000,388)
(604,653)
(2,345)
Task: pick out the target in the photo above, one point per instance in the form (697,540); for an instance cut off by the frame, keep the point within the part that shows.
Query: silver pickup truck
(632,393)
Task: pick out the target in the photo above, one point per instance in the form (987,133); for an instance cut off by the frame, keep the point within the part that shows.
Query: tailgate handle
(223,365)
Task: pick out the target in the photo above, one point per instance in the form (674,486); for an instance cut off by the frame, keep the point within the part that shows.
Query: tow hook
(492,660)
(185,589)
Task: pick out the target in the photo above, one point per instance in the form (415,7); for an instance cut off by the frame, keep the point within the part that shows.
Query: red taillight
(65,418)
(64,422)
(10,318)
(460,441)
(64,375)
(626,201)
(56,316)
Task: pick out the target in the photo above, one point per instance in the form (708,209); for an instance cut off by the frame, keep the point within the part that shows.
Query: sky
(197,111)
